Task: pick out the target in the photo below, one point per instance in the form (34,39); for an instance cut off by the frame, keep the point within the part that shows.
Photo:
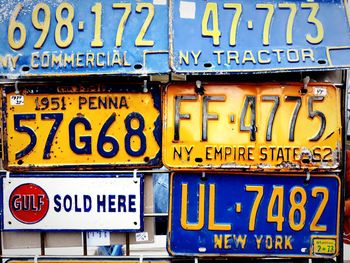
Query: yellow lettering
(232,55)
(261,60)
(98,61)
(4,62)
(68,60)
(116,59)
(14,60)
(196,56)
(240,241)
(287,243)
(218,53)
(126,64)
(184,209)
(258,241)
(212,225)
(90,59)
(184,58)
(278,242)
(268,242)
(290,55)
(35,55)
(307,53)
(45,60)
(227,240)
(248,57)
(217,241)
(56,60)
(278,53)
(79,60)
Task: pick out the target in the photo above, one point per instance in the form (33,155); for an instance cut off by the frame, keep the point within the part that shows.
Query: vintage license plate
(70,130)
(79,260)
(112,202)
(243,215)
(251,126)
(258,35)
(46,37)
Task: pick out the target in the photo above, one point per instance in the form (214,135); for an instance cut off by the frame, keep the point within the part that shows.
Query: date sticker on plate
(17,100)
(320,91)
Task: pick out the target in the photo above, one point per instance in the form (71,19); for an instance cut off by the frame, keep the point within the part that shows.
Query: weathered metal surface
(265,126)
(247,215)
(49,37)
(258,36)
(103,127)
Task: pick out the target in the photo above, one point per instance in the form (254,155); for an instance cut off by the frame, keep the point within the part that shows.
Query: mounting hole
(146,159)
(306,161)
(321,61)
(208,65)
(138,66)
(198,160)
(9,222)
(25,68)
(20,162)
(135,223)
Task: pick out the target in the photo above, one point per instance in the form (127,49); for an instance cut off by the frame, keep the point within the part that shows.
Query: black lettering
(132,203)
(250,153)
(113,102)
(179,154)
(287,153)
(263,155)
(328,156)
(101,203)
(218,151)
(296,151)
(123,103)
(241,153)
(67,203)
(316,155)
(208,153)
(87,203)
(111,203)
(121,203)
(228,152)
(102,102)
(82,101)
(92,105)
(57,201)
(280,154)
(272,148)
(77,208)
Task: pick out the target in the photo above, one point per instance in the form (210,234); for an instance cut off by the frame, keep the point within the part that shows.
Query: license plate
(102,128)
(252,126)
(259,35)
(112,202)
(266,215)
(98,37)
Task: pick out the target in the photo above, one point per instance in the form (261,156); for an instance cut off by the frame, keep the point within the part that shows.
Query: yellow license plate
(251,126)
(73,130)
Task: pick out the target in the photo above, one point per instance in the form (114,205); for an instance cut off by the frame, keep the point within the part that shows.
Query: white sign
(79,203)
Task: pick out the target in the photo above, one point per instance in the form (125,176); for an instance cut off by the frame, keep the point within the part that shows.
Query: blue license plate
(83,37)
(239,215)
(259,35)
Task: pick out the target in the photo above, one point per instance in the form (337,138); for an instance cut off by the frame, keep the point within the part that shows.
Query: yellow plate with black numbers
(282,126)
(100,129)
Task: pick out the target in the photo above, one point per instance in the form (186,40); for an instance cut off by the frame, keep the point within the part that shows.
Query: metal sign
(266,126)
(102,127)
(47,37)
(245,215)
(111,202)
(250,36)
